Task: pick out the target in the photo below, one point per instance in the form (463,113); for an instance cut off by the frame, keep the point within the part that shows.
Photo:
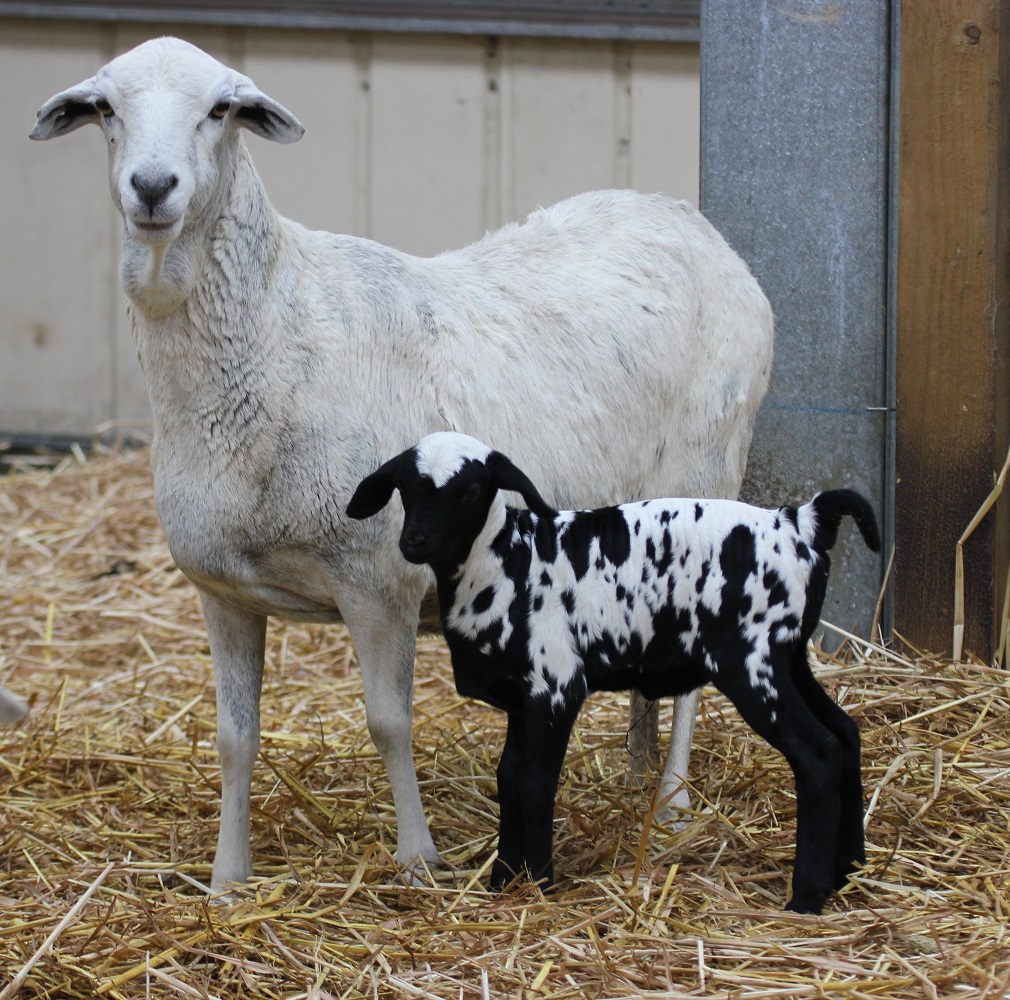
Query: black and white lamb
(541,607)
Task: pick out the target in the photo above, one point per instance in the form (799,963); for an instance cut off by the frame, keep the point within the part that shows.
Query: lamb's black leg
(547,732)
(789,725)
(851,845)
(511,828)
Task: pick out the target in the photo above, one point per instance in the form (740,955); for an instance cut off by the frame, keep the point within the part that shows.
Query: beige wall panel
(427,150)
(559,121)
(56,286)
(314,75)
(419,141)
(665,119)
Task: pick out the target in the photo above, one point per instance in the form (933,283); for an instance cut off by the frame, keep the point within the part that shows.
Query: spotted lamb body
(541,607)
(282,363)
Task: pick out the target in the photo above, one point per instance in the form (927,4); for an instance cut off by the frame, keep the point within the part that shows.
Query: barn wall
(419,141)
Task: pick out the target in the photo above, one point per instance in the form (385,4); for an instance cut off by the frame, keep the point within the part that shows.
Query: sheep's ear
(264,116)
(374,491)
(506,476)
(67,111)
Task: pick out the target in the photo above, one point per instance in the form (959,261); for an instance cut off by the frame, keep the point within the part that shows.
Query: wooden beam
(953,316)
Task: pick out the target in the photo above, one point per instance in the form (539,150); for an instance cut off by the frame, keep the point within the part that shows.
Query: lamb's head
(170,114)
(448,483)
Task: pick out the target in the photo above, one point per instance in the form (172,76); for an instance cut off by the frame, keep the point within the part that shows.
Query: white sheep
(282,363)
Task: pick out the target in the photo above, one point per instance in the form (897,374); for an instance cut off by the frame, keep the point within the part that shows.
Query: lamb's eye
(103,107)
(220,110)
(471,494)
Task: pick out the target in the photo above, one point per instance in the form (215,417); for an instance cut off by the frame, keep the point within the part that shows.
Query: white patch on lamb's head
(440,456)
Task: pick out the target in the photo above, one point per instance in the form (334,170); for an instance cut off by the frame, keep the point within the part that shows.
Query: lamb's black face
(440,524)
(447,484)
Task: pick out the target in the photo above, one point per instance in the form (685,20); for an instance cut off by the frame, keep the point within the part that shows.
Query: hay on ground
(108,799)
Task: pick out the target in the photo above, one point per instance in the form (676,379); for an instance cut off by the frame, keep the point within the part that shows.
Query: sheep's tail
(830,507)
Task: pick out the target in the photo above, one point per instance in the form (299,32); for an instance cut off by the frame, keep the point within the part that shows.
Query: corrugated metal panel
(421,141)
(795,145)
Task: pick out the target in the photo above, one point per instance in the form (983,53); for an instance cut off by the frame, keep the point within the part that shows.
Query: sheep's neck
(218,265)
(206,332)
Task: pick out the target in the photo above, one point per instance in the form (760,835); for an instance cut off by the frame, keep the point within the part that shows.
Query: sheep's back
(622,328)
(612,344)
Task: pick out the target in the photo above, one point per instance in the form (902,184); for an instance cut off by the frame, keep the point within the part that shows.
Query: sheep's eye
(471,494)
(220,110)
(103,107)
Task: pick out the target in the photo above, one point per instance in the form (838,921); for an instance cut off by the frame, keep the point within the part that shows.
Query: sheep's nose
(152,188)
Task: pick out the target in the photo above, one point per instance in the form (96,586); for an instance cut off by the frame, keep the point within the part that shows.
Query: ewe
(282,363)
(540,608)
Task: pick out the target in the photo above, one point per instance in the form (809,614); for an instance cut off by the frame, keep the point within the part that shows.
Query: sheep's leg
(237,640)
(511,829)
(547,733)
(813,753)
(384,642)
(674,800)
(643,733)
(851,845)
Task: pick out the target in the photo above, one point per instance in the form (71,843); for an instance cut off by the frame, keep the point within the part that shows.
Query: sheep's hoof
(418,873)
(227,879)
(671,818)
(227,893)
(674,810)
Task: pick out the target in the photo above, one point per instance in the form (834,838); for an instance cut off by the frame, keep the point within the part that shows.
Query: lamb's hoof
(844,871)
(807,903)
(502,876)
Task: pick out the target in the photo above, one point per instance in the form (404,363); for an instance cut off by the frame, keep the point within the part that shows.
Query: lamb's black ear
(506,476)
(374,491)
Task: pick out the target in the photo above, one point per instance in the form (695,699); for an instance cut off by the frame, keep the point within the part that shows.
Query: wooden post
(953,316)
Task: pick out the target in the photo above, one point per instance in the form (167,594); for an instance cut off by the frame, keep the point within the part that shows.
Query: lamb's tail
(829,508)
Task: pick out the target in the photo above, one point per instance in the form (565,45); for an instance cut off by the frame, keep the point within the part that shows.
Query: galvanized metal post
(794,173)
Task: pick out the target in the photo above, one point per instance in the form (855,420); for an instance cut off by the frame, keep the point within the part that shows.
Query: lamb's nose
(153,187)
(413,539)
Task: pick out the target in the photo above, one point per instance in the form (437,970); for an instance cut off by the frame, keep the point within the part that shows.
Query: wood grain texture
(952,381)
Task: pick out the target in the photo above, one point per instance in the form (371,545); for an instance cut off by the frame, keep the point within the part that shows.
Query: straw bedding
(108,805)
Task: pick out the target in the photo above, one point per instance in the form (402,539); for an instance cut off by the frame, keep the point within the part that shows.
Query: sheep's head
(447,483)
(169,113)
